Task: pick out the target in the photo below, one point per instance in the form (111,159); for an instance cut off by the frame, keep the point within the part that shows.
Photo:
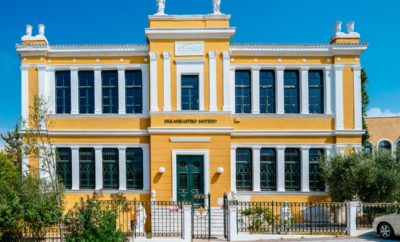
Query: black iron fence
(52,234)
(367,212)
(290,217)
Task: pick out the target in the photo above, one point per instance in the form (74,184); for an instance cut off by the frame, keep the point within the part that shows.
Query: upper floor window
(385,145)
(110,91)
(63,92)
(244,172)
(268,169)
(86,91)
(134,168)
(291,82)
(292,169)
(242,91)
(64,166)
(87,168)
(315,178)
(190,92)
(110,168)
(316,91)
(134,97)
(267,91)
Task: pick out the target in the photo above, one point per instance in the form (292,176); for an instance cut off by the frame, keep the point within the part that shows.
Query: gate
(201,216)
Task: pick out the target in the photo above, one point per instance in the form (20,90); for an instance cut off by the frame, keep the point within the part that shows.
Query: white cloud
(378,112)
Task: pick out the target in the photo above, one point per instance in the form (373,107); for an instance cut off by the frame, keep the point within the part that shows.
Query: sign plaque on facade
(191,48)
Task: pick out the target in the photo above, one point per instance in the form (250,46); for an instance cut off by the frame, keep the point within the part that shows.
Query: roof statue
(217,7)
(161,7)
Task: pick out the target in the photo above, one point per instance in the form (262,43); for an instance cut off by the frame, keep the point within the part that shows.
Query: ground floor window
(134,168)
(316,179)
(87,168)
(64,166)
(292,169)
(268,169)
(110,168)
(244,173)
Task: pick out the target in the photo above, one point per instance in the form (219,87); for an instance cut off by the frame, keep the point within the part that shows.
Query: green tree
(13,146)
(365,102)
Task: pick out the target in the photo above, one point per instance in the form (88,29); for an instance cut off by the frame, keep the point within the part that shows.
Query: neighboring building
(384,133)
(190,112)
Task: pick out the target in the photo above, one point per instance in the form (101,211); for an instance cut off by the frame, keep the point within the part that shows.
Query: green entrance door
(190,179)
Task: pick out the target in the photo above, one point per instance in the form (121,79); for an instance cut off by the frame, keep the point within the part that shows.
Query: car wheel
(386,231)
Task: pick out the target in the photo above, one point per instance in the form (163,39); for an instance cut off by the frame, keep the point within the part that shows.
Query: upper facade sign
(193,48)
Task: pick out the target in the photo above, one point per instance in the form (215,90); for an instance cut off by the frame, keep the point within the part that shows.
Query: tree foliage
(13,146)
(365,102)
(362,176)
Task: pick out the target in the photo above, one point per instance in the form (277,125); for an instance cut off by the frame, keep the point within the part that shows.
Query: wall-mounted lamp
(161,170)
(220,170)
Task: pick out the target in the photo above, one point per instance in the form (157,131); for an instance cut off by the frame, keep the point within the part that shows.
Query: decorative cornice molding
(190,17)
(192,33)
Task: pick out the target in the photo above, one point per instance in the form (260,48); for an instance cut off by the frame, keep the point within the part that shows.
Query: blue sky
(262,21)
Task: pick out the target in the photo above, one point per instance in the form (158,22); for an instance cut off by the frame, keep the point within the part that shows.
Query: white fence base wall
(253,237)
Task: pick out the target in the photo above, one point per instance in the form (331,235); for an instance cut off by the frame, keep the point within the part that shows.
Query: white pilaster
(280,168)
(42,82)
(187,221)
(213,80)
(51,89)
(145,86)
(167,81)
(227,92)
(280,91)
(232,88)
(305,169)
(357,98)
(99,167)
(256,169)
(339,123)
(97,91)
(121,90)
(328,91)
(24,93)
(122,168)
(146,168)
(25,165)
(255,90)
(233,169)
(352,218)
(75,167)
(74,90)
(305,109)
(153,82)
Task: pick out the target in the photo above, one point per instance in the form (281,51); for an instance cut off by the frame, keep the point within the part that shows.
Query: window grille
(292,169)
(110,168)
(87,168)
(244,170)
(315,178)
(267,91)
(134,168)
(268,169)
(64,166)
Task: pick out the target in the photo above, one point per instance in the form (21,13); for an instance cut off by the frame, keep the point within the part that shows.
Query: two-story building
(190,112)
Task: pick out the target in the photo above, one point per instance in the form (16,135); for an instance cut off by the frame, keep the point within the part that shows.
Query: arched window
(292,169)
(385,145)
(268,169)
(244,175)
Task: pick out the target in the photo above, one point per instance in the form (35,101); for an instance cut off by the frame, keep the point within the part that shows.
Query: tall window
(63,92)
(110,168)
(292,169)
(368,148)
(110,91)
(190,92)
(87,168)
(133,91)
(267,91)
(315,179)
(64,166)
(242,91)
(268,169)
(244,176)
(134,168)
(291,80)
(86,92)
(316,91)
(385,145)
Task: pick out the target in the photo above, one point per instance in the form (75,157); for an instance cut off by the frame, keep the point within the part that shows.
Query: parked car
(387,225)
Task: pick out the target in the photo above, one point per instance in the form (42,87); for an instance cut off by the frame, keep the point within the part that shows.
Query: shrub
(258,217)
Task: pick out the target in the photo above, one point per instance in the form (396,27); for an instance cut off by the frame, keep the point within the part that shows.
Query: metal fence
(367,212)
(289,217)
(27,235)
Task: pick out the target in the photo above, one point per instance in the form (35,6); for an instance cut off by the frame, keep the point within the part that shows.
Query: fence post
(187,223)
(233,230)
(352,218)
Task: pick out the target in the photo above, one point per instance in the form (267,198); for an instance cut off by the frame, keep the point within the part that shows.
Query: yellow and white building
(191,112)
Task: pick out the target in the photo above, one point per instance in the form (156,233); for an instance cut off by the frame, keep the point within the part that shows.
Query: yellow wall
(348,98)
(384,128)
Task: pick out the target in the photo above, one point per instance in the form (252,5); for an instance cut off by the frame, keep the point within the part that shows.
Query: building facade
(384,133)
(190,112)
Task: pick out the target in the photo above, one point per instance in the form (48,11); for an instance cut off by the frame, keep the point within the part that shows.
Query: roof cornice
(190,33)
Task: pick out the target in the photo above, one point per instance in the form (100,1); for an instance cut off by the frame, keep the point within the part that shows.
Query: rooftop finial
(350,27)
(161,7)
(41,29)
(28,31)
(338,27)
(217,7)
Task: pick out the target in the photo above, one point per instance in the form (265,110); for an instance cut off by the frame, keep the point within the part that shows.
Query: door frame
(206,167)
